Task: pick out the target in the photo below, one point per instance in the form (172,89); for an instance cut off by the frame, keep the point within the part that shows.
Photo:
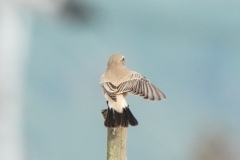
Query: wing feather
(111,95)
(155,94)
(136,84)
(142,89)
(145,90)
(150,92)
(162,96)
(137,89)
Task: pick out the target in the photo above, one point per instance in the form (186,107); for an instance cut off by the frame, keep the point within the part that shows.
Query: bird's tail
(116,119)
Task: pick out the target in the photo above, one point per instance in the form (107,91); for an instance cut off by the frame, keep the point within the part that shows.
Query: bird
(116,83)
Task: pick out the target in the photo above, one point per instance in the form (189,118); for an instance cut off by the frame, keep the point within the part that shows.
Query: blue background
(189,49)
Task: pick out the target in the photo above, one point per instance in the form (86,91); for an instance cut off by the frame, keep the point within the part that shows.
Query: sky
(189,49)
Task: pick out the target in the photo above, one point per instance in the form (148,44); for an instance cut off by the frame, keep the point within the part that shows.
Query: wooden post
(116,142)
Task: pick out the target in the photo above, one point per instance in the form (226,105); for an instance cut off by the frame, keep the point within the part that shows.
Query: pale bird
(117,82)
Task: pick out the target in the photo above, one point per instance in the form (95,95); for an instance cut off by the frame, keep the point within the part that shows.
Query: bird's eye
(123,59)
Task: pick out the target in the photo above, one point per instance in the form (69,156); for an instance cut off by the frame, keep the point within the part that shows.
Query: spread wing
(136,84)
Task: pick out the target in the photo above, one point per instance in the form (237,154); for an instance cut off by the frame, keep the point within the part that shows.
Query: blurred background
(53,52)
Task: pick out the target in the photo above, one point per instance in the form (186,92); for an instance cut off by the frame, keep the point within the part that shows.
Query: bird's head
(116,60)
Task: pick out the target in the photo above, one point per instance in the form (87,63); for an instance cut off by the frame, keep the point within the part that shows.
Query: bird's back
(116,75)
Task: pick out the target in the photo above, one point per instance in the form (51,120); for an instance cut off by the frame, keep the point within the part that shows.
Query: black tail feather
(116,119)
(131,119)
(109,121)
(124,119)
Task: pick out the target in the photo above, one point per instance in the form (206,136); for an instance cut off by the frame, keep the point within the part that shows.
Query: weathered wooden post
(116,142)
